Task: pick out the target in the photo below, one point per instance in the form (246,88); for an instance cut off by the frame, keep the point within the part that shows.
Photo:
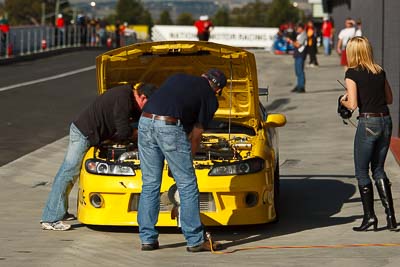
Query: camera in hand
(344,112)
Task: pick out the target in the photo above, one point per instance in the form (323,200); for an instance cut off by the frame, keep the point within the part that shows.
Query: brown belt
(367,115)
(168,120)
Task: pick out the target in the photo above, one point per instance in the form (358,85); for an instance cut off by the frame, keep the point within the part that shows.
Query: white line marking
(47,78)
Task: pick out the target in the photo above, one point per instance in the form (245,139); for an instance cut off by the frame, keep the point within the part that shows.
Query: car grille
(207,203)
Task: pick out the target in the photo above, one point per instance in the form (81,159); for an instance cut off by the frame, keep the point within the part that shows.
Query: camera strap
(351,122)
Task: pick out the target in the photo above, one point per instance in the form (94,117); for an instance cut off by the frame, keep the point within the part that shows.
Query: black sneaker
(205,246)
(301,90)
(69,217)
(294,89)
(153,246)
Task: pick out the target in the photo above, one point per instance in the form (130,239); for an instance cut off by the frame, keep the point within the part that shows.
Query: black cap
(147,89)
(301,25)
(217,77)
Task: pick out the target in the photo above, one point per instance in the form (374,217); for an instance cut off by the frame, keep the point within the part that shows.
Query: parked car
(237,165)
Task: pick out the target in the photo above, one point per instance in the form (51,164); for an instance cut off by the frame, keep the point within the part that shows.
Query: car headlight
(237,168)
(102,167)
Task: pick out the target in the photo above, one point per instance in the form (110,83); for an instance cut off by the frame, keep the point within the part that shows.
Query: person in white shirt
(358,28)
(344,36)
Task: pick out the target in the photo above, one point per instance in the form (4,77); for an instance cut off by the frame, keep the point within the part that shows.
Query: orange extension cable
(311,246)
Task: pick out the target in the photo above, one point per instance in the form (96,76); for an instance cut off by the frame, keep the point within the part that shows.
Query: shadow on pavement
(306,202)
(278,103)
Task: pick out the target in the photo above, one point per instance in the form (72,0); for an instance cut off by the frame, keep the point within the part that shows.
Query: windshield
(222,126)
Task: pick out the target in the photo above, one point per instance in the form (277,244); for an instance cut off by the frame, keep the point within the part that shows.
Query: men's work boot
(301,90)
(367,200)
(385,193)
(205,246)
(152,246)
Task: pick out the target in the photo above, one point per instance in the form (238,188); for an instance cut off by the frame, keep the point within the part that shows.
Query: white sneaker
(55,226)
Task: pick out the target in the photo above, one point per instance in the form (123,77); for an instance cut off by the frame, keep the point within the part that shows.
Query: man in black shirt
(108,117)
(170,128)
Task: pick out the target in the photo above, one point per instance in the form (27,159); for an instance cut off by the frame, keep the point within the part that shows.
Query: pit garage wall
(381,25)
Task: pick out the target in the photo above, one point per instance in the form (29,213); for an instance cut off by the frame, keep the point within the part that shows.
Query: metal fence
(21,41)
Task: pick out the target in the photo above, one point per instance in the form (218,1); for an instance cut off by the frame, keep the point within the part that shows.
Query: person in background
(170,128)
(344,36)
(312,44)
(102,32)
(327,36)
(300,52)
(358,28)
(82,24)
(109,117)
(204,27)
(117,32)
(60,29)
(4,32)
(369,91)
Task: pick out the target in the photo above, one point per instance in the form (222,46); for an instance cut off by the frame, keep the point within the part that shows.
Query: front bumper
(224,200)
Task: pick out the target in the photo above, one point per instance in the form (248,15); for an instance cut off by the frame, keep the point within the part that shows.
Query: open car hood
(153,62)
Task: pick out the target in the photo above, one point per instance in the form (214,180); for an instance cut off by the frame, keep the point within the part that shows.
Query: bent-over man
(108,117)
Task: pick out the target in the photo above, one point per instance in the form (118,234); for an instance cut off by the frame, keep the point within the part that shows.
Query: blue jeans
(158,141)
(57,202)
(371,145)
(326,41)
(299,70)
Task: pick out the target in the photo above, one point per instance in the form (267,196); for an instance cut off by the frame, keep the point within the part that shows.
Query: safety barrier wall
(36,39)
(233,36)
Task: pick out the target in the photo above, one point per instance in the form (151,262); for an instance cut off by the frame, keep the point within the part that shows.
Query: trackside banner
(233,36)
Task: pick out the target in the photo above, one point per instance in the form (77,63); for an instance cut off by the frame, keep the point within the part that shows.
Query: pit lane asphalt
(37,114)
(319,200)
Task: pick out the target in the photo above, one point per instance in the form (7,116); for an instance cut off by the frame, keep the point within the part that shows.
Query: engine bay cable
(230,97)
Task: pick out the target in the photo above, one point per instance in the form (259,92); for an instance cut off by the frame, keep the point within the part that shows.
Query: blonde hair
(359,55)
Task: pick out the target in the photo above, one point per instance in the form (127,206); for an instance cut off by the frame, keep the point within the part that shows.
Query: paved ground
(319,200)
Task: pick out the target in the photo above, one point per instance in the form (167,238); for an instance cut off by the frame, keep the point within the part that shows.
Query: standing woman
(369,90)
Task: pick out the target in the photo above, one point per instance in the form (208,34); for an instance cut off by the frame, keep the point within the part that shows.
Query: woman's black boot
(367,199)
(385,193)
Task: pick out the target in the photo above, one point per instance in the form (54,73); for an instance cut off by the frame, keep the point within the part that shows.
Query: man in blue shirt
(170,129)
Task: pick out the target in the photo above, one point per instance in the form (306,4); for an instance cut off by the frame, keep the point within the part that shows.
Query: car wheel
(276,191)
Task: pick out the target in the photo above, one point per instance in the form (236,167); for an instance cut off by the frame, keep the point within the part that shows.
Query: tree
(282,11)
(251,15)
(185,19)
(130,11)
(147,19)
(165,18)
(22,12)
(222,18)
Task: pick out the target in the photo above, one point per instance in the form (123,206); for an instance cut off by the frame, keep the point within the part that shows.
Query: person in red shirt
(60,21)
(60,25)
(327,36)
(4,30)
(204,26)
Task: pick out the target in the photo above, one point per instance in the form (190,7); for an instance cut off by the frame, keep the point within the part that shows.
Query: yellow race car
(236,166)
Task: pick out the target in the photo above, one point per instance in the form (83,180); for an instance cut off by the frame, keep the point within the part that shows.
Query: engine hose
(301,246)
